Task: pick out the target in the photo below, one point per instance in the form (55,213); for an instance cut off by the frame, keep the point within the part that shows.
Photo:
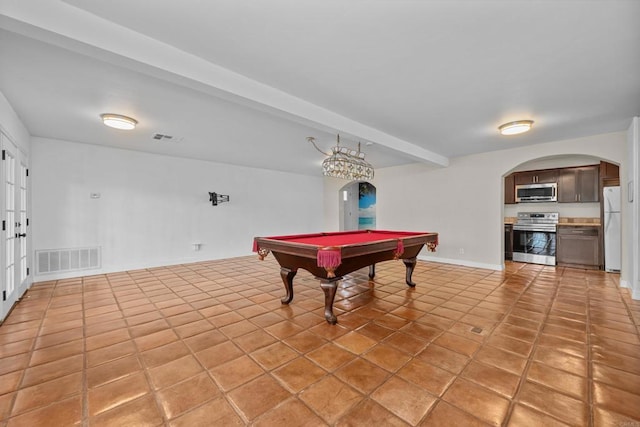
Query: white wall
(153,208)
(12,126)
(464,202)
(572,210)
(630,274)
(557,162)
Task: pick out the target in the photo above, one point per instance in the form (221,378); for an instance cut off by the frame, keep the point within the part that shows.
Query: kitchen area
(565,213)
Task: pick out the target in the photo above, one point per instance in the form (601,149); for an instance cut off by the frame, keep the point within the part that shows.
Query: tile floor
(210,344)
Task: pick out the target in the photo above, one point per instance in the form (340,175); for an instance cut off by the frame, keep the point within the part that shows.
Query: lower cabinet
(508,242)
(578,247)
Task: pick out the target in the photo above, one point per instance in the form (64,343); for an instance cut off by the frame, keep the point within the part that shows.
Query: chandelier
(344,162)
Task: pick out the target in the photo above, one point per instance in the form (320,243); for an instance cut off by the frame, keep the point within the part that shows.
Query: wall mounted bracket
(216,198)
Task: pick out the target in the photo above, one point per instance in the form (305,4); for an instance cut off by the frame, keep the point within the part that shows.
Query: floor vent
(59,260)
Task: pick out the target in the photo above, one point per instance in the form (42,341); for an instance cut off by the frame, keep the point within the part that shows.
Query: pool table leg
(410,263)
(329,288)
(372,271)
(287,278)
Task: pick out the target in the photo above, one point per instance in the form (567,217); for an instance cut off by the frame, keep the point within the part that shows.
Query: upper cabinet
(509,190)
(536,177)
(579,185)
(609,174)
(575,184)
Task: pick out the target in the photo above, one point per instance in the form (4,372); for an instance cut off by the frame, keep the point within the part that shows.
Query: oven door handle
(535,228)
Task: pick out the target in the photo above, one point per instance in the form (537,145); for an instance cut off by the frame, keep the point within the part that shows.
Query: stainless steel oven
(534,237)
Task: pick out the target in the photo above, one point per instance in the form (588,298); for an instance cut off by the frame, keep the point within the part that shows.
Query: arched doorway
(357,206)
(583,184)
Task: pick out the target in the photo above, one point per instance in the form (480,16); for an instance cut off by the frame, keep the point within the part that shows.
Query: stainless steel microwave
(530,193)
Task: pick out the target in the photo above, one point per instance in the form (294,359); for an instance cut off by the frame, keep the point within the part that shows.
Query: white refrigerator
(612,228)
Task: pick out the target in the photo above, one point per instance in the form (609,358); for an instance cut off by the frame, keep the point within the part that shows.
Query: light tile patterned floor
(210,344)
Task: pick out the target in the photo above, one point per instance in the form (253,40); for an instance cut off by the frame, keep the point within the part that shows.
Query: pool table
(330,256)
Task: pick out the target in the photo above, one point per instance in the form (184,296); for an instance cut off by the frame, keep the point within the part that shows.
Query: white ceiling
(245,82)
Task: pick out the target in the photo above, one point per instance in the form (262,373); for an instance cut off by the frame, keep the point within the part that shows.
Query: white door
(21,227)
(349,207)
(15,260)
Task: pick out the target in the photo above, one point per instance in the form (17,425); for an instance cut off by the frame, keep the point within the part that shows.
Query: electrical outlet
(461,250)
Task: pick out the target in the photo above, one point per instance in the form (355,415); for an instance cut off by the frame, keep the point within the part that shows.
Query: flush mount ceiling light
(344,163)
(119,122)
(515,128)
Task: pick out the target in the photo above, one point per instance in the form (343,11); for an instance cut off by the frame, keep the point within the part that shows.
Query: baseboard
(635,293)
(47,277)
(120,268)
(465,263)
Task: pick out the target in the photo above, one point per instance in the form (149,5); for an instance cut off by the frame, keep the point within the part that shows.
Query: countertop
(566,221)
(579,222)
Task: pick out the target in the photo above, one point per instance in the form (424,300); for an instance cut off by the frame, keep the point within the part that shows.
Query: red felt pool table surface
(345,237)
(329,256)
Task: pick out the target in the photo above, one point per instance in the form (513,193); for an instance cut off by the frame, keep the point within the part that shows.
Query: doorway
(15,260)
(357,206)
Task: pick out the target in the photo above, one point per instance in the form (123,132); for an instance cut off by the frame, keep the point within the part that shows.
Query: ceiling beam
(59,23)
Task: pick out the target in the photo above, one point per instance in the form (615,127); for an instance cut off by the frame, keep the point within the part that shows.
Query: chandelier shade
(345,163)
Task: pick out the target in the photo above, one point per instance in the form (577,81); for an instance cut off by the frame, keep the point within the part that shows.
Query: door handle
(21,235)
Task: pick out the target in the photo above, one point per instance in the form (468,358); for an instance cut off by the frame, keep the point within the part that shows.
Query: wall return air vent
(64,260)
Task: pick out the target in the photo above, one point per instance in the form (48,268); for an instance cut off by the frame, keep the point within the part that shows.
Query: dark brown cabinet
(579,185)
(567,193)
(508,242)
(509,190)
(609,174)
(609,170)
(578,246)
(536,177)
